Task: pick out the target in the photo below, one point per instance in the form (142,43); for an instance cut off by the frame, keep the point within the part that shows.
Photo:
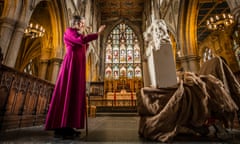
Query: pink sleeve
(90,37)
(72,36)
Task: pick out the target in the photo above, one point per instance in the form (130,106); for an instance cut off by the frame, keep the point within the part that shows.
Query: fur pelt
(164,112)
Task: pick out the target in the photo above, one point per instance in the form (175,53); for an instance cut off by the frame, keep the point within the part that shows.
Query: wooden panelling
(24,99)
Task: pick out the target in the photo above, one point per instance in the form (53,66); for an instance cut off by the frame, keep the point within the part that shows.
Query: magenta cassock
(68,103)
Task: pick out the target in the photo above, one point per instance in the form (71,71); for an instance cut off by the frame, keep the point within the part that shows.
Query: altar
(113,99)
(117,99)
(122,95)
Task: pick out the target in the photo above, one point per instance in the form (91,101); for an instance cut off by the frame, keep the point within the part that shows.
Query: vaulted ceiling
(209,8)
(132,10)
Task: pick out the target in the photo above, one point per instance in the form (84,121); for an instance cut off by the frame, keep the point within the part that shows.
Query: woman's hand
(101,29)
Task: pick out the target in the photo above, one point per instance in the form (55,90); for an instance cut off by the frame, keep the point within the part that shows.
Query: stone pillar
(186,35)
(56,64)
(15,43)
(190,63)
(43,68)
(7,27)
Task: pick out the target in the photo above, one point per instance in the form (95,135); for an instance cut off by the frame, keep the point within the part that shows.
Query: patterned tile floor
(103,129)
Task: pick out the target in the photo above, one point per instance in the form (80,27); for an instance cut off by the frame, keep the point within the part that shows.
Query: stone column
(190,63)
(43,68)
(194,63)
(186,35)
(56,64)
(7,28)
(15,43)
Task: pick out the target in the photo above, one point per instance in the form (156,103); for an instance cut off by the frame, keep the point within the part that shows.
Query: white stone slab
(164,65)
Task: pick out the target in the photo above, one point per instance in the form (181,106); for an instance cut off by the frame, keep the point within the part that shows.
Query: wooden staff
(86,31)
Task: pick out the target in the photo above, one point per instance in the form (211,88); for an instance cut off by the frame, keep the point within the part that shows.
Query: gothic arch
(51,15)
(136,29)
(58,17)
(187,28)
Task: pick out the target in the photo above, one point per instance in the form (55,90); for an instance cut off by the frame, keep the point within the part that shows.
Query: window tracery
(122,54)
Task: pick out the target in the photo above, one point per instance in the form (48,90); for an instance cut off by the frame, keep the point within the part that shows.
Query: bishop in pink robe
(68,104)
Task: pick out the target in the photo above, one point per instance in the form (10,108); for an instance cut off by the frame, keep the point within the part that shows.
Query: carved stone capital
(56,60)
(156,34)
(189,58)
(20,26)
(44,61)
(7,22)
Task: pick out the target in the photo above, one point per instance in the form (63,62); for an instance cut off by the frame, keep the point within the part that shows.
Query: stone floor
(103,129)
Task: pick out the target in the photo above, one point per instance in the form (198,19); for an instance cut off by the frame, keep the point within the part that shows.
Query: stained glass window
(207,55)
(236,43)
(122,54)
(29,68)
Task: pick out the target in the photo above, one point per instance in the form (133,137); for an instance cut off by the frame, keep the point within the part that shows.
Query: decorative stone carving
(157,33)
(160,56)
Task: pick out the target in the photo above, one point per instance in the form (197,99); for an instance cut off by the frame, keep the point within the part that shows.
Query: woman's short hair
(75,19)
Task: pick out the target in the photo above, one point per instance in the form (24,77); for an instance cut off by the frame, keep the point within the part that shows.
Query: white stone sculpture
(160,61)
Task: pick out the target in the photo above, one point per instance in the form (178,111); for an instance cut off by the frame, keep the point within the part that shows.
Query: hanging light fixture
(34,30)
(219,21)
